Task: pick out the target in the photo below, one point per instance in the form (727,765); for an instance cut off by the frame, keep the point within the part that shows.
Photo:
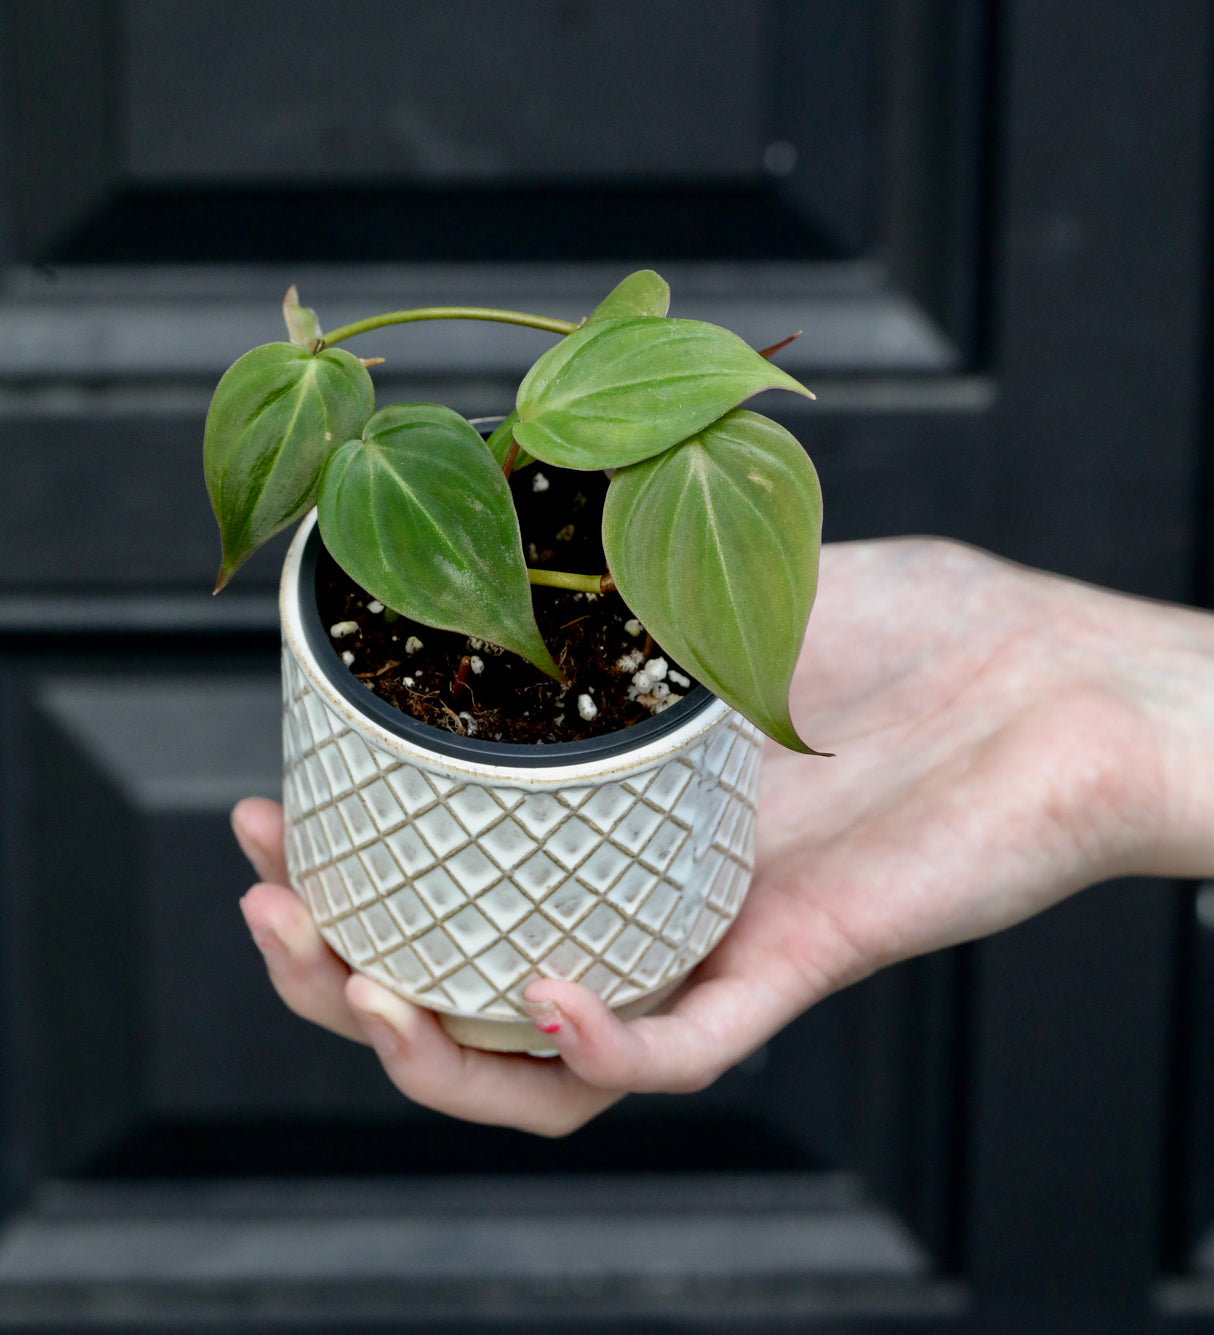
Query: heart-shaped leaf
(419,514)
(617,391)
(276,416)
(500,441)
(641,293)
(714,545)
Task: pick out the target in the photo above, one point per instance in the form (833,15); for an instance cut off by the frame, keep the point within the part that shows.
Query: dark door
(989,220)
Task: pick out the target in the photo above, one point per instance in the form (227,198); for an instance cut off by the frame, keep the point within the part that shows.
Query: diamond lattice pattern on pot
(456,894)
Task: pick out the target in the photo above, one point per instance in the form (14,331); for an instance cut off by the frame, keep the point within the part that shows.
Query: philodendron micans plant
(712,519)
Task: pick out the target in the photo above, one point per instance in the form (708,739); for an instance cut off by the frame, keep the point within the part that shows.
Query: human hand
(1003,737)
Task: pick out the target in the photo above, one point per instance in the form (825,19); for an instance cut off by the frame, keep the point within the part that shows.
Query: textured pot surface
(455,882)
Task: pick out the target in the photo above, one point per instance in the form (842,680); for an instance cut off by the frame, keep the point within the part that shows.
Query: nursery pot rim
(552,764)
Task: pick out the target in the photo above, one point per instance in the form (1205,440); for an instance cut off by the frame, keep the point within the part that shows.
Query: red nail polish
(545,1015)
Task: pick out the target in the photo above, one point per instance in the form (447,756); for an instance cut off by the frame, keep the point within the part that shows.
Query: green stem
(448,313)
(561,579)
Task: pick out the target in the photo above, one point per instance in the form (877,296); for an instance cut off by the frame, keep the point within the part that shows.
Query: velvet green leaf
(276,416)
(714,545)
(641,293)
(500,441)
(419,514)
(617,391)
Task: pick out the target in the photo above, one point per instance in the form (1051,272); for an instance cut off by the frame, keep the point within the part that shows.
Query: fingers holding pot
(532,1094)
(306,974)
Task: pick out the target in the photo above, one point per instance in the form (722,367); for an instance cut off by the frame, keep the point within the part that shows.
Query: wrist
(1121,691)
(1172,676)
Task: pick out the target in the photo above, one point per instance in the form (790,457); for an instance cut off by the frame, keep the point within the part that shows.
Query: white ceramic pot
(456,871)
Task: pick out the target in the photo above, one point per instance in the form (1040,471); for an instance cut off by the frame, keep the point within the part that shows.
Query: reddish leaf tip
(783,343)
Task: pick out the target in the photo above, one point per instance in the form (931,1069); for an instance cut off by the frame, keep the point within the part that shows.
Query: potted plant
(439,854)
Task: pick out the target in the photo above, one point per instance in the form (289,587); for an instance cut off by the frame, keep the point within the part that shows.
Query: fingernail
(270,944)
(384,1039)
(266,939)
(545,1015)
(385,1030)
(257,855)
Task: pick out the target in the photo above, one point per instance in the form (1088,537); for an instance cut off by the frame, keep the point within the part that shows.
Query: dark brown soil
(509,700)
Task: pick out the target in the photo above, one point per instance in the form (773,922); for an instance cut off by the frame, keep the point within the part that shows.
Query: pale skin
(1003,738)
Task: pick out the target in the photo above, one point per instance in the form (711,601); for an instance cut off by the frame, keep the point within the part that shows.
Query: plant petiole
(460,684)
(561,579)
(447,313)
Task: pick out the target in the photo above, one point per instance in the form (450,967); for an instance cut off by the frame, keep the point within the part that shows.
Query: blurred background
(991,221)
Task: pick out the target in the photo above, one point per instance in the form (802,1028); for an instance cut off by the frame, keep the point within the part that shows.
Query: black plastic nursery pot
(439,740)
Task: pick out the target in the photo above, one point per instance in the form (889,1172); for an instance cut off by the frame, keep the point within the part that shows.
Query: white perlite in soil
(649,686)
